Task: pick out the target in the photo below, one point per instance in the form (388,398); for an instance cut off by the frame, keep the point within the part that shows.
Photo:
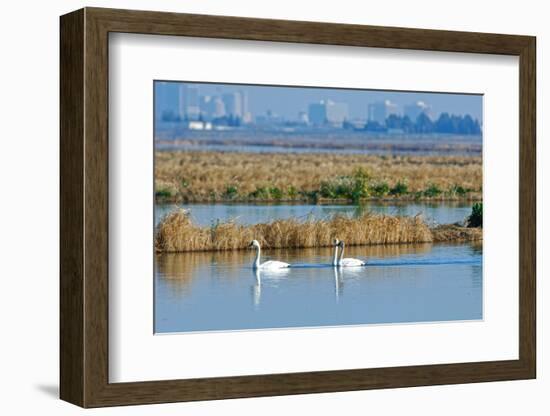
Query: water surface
(219,291)
(207,214)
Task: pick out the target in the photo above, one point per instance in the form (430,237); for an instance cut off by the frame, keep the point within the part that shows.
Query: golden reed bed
(219,176)
(177,233)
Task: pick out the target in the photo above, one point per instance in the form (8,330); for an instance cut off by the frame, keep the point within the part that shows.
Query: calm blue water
(402,283)
(206,214)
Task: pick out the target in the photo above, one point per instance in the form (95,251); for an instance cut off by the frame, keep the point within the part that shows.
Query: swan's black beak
(250,245)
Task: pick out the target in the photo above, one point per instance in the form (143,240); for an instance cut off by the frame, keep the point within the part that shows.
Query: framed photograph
(257,207)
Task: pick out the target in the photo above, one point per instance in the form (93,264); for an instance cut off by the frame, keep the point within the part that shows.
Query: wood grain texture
(226,27)
(84,205)
(527,207)
(71,158)
(96,207)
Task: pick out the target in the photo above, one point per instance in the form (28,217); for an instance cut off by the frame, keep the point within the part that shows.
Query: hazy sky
(289,101)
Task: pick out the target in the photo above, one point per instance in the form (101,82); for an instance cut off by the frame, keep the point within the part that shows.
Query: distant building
(212,107)
(176,102)
(337,113)
(327,112)
(199,125)
(414,110)
(317,113)
(233,104)
(303,117)
(167,106)
(379,111)
(269,118)
(189,105)
(246,116)
(236,105)
(218,107)
(206,107)
(355,124)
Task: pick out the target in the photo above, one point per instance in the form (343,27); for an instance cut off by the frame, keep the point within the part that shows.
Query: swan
(268,265)
(349,262)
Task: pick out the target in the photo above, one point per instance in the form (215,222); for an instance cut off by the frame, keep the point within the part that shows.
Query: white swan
(268,265)
(349,262)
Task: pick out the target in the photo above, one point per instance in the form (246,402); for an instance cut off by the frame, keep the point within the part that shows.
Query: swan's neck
(257,260)
(335,259)
(341,255)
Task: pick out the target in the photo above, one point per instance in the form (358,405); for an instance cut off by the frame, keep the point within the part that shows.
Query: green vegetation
(313,178)
(231,192)
(275,193)
(475,219)
(445,124)
(432,191)
(292,192)
(163,193)
(400,188)
(458,190)
(380,189)
(350,187)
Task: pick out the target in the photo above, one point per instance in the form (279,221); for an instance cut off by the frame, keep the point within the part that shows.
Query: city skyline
(248,102)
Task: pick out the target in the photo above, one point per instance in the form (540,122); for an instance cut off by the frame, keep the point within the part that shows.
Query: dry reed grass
(177,233)
(447,232)
(217,176)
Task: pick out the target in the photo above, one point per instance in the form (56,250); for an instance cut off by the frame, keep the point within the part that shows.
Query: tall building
(236,104)
(244,95)
(327,112)
(206,107)
(189,105)
(414,110)
(380,111)
(218,107)
(247,116)
(317,113)
(167,106)
(337,113)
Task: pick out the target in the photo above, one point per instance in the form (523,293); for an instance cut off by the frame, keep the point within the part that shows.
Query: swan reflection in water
(271,275)
(340,277)
(259,274)
(338,283)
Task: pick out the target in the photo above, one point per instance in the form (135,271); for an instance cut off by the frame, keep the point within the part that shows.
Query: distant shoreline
(317,141)
(381,148)
(476,197)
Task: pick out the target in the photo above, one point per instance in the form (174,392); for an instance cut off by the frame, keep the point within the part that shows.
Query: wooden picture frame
(84,207)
